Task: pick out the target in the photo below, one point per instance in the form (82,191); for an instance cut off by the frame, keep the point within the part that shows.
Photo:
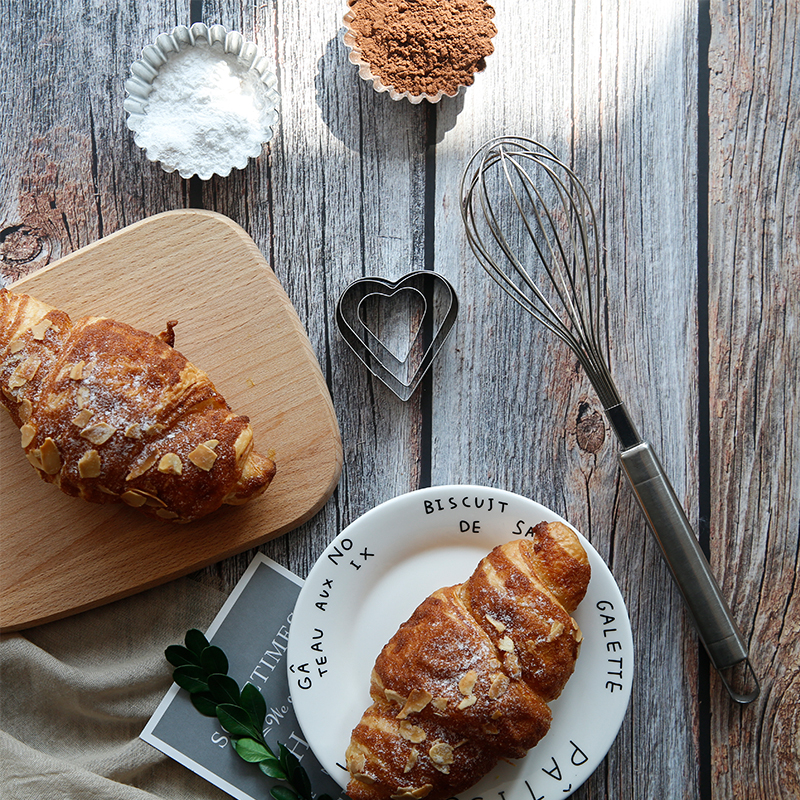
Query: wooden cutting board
(60,555)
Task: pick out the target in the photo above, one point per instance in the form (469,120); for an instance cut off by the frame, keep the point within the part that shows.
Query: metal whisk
(531,224)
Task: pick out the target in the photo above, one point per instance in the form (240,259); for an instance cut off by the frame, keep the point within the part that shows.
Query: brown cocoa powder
(423,46)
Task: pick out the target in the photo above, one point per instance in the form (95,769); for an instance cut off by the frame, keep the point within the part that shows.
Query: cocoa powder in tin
(423,46)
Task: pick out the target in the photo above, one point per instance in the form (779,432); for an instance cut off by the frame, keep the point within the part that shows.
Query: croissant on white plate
(113,414)
(466,679)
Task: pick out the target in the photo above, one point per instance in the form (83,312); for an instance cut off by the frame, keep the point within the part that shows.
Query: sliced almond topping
(203,457)
(24,372)
(440,703)
(360,776)
(394,697)
(31,366)
(492,730)
(243,444)
(40,328)
(81,420)
(577,635)
(35,457)
(82,396)
(412,733)
(141,468)
(154,501)
(155,428)
(356,761)
(441,754)
(412,793)
(467,702)
(499,686)
(106,490)
(133,498)
(27,434)
(165,513)
(51,458)
(76,373)
(506,645)
(98,433)
(556,629)
(133,431)
(12,397)
(89,464)
(497,714)
(511,664)
(211,443)
(499,626)
(411,761)
(417,700)
(16,346)
(467,683)
(171,463)
(25,410)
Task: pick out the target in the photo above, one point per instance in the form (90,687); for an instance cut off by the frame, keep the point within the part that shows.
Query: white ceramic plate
(379,569)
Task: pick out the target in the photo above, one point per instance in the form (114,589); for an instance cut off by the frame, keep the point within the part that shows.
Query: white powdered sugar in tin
(206,113)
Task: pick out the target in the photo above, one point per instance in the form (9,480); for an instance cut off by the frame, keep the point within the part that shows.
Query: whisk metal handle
(687,563)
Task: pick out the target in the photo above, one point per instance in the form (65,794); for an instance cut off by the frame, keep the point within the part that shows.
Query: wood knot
(20,244)
(590,429)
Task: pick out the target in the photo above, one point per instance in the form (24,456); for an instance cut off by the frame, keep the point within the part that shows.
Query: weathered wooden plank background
(754,307)
(682,117)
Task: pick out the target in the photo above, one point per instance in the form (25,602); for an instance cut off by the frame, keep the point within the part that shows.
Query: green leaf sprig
(202,670)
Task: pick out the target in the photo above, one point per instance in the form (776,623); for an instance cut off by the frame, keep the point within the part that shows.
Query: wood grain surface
(235,321)
(682,119)
(754,370)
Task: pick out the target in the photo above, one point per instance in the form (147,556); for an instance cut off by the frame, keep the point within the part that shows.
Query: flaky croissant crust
(466,680)
(110,413)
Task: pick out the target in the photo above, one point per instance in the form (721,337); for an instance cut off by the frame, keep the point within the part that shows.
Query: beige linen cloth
(76,693)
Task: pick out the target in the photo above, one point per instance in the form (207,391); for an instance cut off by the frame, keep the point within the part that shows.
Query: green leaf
(224,688)
(191,678)
(301,782)
(273,769)
(213,660)
(283,793)
(236,720)
(252,751)
(204,703)
(179,656)
(253,702)
(296,775)
(196,641)
(288,759)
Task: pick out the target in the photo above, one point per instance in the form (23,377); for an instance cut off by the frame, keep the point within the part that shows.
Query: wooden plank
(71,172)
(754,294)
(611,88)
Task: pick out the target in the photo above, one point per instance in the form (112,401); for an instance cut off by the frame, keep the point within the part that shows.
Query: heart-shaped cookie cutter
(437,309)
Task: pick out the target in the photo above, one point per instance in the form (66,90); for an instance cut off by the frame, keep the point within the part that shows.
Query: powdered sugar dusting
(207,113)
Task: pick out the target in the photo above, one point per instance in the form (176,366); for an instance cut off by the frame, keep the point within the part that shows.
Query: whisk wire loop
(547,312)
(563,292)
(563,280)
(566,251)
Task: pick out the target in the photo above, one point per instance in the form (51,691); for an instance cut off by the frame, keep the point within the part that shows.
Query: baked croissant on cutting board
(466,680)
(113,414)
